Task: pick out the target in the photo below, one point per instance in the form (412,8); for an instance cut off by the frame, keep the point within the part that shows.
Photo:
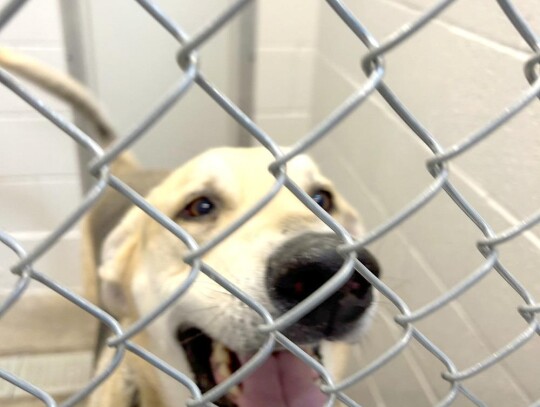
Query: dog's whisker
(221,291)
(210,322)
(190,339)
(384,302)
(201,309)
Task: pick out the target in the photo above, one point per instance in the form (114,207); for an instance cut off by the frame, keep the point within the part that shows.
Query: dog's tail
(81,99)
(62,86)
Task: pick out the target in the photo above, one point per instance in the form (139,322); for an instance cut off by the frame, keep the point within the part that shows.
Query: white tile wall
(24,30)
(285,52)
(49,54)
(134,66)
(59,374)
(482,18)
(459,72)
(32,146)
(38,166)
(36,205)
(39,183)
(285,24)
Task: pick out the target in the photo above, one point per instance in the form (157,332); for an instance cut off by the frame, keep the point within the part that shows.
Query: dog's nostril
(356,286)
(298,284)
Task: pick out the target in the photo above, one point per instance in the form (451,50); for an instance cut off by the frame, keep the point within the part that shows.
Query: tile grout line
(66,372)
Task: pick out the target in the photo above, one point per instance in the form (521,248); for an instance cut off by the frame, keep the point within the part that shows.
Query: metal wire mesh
(374,69)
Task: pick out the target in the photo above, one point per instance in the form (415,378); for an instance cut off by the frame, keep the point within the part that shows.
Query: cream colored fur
(141,263)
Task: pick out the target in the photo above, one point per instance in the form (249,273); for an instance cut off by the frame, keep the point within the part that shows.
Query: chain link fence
(438,166)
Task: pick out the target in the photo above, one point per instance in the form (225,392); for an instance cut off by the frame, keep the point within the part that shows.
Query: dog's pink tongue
(282,381)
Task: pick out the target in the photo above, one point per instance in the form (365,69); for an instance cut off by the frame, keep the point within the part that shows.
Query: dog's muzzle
(294,271)
(302,265)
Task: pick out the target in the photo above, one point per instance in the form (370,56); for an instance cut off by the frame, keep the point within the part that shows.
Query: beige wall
(285,61)
(131,65)
(455,75)
(134,65)
(39,180)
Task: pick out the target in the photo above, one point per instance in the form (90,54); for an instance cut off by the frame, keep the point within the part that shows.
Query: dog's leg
(118,390)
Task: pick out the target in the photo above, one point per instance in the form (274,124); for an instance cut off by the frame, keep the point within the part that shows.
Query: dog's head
(279,257)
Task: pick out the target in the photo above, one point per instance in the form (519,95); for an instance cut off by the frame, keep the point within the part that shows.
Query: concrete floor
(47,341)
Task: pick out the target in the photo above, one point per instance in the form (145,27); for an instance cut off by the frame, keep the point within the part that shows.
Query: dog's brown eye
(197,208)
(324,199)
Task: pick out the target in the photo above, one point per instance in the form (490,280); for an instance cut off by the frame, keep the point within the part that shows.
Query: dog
(278,258)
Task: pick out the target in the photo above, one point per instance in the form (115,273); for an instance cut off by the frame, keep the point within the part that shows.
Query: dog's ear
(118,255)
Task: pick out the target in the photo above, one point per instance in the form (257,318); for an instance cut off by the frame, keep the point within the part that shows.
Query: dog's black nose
(303,264)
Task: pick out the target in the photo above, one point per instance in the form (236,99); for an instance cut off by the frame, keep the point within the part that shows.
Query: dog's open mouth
(281,381)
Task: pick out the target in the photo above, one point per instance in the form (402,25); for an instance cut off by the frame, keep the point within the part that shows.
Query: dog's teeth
(220,355)
(220,360)
(224,371)
(235,392)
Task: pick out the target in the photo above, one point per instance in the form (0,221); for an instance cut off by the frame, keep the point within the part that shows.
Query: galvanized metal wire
(373,65)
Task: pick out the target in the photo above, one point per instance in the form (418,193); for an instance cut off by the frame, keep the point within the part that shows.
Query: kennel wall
(418,134)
